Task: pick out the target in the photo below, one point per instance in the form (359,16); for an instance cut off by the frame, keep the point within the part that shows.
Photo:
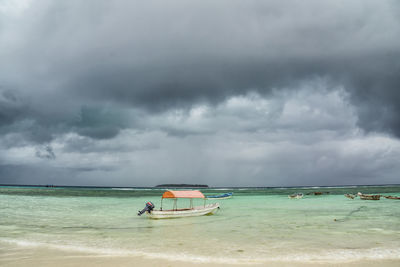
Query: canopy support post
(175,204)
(191,203)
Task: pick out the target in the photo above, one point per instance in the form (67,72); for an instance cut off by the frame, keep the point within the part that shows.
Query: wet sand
(13,256)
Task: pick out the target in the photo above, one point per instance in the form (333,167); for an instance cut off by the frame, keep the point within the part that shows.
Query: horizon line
(208,187)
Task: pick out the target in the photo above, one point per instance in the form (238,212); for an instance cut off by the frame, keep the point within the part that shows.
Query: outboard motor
(149,207)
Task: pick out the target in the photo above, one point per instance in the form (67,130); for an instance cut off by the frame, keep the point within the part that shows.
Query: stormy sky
(225,93)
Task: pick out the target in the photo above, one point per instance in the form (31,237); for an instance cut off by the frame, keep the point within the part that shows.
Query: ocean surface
(257,225)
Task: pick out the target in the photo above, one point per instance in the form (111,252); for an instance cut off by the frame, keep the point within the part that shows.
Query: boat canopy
(183,194)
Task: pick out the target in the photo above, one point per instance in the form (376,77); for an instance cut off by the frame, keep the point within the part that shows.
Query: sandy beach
(12,256)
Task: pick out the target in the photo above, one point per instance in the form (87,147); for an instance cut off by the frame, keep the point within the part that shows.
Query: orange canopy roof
(183,194)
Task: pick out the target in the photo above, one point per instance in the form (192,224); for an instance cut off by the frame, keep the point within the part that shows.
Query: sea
(255,226)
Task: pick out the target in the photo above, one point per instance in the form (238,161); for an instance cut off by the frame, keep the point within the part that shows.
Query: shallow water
(256,225)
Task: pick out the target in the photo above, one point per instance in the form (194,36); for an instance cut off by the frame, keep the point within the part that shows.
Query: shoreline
(14,255)
(258,228)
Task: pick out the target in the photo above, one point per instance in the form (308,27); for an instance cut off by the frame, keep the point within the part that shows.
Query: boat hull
(296,196)
(222,196)
(370,197)
(391,197)
(196,211)
(217,198)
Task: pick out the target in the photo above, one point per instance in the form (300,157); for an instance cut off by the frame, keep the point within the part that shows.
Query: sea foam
(327,256)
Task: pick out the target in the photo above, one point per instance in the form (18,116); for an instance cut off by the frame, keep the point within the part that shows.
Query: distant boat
(368,197)
(178,213)
(351,196)
(317,193)
(391,197)
(296,196)
(222,196)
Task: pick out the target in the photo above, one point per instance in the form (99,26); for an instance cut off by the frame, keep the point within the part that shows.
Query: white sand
(14,256)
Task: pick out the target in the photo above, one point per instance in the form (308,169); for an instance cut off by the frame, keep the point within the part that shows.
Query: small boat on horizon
(391,197)
(368,197)
(178,213)
(296,196)
(221,196)
(317,193)
(351,196)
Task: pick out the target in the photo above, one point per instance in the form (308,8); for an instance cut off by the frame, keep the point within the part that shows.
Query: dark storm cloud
(11,107)
(25,174)
(41,122)
(69,59)
(45,153)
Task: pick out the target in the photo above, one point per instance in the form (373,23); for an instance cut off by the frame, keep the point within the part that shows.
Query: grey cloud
(100,123)
(162,55)
(45,153)
(123,144)
(11,107)
(93,169)
(97,70)
(25,174)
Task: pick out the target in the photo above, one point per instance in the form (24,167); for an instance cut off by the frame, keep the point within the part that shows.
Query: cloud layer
(227,92)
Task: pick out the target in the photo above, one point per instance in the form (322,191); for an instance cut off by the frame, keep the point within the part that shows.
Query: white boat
(368,197)
(195,211)
(351,196)
(178,213)
(296,196)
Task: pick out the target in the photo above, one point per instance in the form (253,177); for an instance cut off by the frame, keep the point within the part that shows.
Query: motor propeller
(149,207)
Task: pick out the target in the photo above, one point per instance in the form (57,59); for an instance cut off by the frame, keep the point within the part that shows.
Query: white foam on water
(123,189)
(327,256)
(125,252)
(220,189)
(342,255)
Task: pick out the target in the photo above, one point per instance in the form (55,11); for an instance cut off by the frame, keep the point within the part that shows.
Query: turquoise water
(256,225)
